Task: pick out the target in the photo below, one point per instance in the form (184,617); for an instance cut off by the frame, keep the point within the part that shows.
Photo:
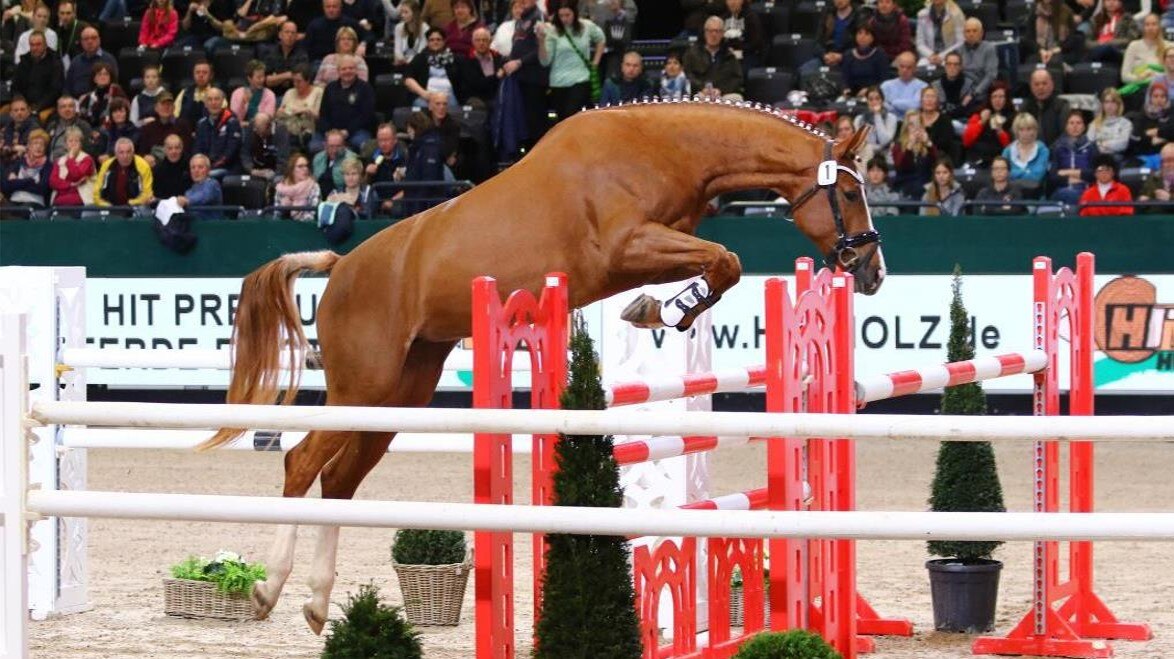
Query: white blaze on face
(880,273)
(880,255)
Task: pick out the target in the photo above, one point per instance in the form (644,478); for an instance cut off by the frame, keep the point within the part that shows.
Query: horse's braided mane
(740,105)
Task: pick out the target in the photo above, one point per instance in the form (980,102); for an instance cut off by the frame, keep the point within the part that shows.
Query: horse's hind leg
(342,475)
(657,254)
(302,465)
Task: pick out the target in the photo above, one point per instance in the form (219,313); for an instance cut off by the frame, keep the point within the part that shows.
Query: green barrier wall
(913,245)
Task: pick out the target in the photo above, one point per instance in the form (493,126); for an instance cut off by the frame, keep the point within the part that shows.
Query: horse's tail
(267,319)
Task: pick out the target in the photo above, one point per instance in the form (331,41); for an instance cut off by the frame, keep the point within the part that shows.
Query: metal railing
(972,207)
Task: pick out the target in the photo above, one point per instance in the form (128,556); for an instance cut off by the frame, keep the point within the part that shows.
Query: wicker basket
(736,616)
(433,593)
(201,599)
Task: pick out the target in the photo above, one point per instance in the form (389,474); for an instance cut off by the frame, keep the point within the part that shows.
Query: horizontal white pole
(870,525)
(606,422)
(155,438)
(458,360)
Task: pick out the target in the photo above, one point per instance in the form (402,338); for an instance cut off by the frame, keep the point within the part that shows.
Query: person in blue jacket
(204,191)
(1029,157)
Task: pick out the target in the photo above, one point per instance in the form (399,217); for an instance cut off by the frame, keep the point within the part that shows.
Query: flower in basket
(227,570)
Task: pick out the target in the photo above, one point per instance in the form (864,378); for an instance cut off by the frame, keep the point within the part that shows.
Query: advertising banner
(904,326)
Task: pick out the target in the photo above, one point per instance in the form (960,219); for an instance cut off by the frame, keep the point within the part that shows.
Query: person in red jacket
(1106,188)
(988,131)
(160,25)
(72,175)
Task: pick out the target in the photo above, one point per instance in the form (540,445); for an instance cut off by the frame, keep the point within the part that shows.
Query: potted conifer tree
(964,584)
(433,569)
(589,604)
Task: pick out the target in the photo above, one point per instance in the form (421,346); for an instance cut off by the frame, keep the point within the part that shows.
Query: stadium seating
(117,35)
(178,63)
(768,85)
(1091,78)
(248,192)
(131,62)
(789,51)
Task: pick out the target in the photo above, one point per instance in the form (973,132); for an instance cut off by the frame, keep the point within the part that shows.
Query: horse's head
(831,210)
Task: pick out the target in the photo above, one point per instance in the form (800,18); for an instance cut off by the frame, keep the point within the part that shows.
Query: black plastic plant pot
(964,594)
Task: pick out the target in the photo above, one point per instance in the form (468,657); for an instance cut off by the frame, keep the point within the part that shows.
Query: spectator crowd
(996,107)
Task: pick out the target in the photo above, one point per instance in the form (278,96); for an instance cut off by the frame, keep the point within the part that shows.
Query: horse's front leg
(656,254)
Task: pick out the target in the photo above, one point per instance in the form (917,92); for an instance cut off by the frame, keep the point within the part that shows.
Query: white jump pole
(606,422)
(13,479)
(870,525)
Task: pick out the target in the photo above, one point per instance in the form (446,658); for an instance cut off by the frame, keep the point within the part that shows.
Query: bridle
(847,253)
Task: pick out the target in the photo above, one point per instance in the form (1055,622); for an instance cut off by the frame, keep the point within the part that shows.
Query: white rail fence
(608,422)
(859,525)
(19,504)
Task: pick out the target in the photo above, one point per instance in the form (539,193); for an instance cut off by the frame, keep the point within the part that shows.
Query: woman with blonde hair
(72,175)
(1143,57)
(913,157)
(298,188)
(346,42)
(1110,130)
(354,193)
(1029,157)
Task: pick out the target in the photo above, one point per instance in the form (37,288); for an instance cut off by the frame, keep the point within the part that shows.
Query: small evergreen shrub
(425,547)
(795,644)
(966,478)
(370,629)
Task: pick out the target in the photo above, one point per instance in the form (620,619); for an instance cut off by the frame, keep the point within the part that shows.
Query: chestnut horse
(610,196)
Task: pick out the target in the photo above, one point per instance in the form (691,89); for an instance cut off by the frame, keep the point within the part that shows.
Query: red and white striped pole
(691,384)
(869,389)
(659,448)
(903,383)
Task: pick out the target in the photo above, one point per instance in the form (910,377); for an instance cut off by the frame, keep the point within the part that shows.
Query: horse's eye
(852,195)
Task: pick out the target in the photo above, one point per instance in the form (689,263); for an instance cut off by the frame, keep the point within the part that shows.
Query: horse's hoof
(643,312)
(315,620)
(262,603)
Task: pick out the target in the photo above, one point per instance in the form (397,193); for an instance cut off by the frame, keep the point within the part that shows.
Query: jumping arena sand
(128,559)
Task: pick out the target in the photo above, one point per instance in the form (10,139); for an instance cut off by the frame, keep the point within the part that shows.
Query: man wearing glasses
(712,69)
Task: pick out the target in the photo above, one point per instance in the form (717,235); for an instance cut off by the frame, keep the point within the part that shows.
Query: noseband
(846,254)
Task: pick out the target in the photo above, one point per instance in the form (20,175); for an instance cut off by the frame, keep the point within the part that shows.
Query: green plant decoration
(588,606)
(966,478)
(794,644)
(370,629)
(427,547)
(231,574)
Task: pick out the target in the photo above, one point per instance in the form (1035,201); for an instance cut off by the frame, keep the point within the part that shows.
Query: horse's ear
(849,147)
